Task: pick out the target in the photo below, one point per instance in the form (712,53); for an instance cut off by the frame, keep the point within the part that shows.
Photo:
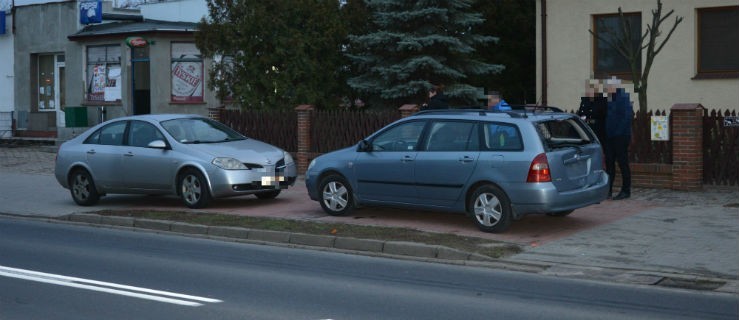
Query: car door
(445,163)
(385,173)
(104,154)
(147,168)
(575,158)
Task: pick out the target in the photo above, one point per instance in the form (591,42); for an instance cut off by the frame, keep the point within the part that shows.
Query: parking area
(33,166)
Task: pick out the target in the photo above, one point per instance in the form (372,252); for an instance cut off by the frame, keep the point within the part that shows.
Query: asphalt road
(60,271)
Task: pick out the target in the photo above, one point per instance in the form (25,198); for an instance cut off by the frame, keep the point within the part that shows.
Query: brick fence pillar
(407,110)
(687,146)
(304,115)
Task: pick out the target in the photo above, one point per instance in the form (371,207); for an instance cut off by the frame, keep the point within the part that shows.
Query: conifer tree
(417,44)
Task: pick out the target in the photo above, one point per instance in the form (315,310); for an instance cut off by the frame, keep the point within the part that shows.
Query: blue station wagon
(494,166)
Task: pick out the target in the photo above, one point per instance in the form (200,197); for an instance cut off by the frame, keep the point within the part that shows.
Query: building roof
(125,28)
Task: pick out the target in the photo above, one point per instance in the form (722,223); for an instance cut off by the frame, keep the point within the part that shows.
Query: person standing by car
(437,99)
(496,102)
(619,116)
(593,107)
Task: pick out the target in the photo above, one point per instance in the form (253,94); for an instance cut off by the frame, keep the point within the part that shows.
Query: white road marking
(114,288)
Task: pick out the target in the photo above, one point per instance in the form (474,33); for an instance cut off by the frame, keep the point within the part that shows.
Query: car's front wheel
(336,195)
(490,209)
(194,189)
(268,195)
(82,188)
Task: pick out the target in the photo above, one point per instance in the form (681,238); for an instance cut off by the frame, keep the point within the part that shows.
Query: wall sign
(660,128)
(136,42)
(91,12)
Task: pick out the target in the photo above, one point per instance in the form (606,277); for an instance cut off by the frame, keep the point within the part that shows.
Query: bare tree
(623,44)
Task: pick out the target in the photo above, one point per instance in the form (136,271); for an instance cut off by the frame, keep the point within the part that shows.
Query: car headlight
(229,164)
(288,158)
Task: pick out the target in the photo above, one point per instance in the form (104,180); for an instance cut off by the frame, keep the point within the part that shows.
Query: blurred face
(432,93)
(493,100)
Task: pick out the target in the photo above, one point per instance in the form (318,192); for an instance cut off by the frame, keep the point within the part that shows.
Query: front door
(60,88)
(140,81)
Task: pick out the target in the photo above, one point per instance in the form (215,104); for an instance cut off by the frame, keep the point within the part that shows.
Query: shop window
(103,73)
(607,61)
(187,73)
(718,42)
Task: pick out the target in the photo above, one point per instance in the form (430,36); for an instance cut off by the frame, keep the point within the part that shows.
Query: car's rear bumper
(544,197)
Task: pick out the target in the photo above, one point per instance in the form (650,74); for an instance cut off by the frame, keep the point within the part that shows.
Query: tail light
(539,169)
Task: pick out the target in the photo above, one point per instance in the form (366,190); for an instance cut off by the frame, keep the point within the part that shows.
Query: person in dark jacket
(437,99)
(619,116)
(593,107)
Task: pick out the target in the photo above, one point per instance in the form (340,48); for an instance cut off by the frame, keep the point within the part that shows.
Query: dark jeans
(617,150)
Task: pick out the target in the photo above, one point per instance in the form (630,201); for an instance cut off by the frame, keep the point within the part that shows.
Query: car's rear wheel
(336,195)
(268,195)
(82,188)
(194,189)
(559,213)
(490,209)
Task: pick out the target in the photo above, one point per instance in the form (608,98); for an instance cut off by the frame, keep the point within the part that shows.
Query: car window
(142,133)
(403,137)
(502,137)
(200,130)
(111,134)
(564,133)
(453,136)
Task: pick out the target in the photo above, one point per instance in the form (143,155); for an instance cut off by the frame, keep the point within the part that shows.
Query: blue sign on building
(2,22)
(91,12)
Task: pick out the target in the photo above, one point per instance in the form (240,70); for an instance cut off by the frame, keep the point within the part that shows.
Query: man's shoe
(621,196)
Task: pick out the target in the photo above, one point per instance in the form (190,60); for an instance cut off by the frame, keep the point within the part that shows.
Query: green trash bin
(75,116)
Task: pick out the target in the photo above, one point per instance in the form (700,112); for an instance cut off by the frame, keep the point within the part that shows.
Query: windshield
(200,130)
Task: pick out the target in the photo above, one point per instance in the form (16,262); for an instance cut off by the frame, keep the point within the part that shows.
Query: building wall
(570,54)
(160,78)
(161,81)
(41,29)
(183,10)
(6,69)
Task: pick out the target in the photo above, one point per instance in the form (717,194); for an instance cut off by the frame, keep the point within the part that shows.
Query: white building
(699,63)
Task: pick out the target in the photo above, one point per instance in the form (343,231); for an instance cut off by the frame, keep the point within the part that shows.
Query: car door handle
(406,159)
(466,159)
(91,151)
(129,154)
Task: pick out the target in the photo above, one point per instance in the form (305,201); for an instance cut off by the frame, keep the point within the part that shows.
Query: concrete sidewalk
(656,237)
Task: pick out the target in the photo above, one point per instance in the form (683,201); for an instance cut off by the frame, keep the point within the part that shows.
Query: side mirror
(157,144)
(364,146)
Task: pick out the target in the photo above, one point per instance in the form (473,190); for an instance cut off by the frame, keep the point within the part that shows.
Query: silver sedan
(191,156)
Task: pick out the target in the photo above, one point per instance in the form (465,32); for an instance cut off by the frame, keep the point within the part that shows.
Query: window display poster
(660,128)
(187,73)
(187,83)
(97,83)
(112,91)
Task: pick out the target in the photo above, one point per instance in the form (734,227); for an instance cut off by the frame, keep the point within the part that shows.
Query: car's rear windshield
(200,130)
(564,132)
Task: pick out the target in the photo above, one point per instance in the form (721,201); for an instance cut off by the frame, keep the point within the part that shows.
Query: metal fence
(720,149)
(6,124)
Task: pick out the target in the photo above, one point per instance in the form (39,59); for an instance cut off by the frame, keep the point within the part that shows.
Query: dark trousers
(617,150)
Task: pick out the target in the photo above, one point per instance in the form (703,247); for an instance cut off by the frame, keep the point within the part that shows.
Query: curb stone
(419,251)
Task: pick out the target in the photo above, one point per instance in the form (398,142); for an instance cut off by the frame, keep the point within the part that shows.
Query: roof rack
(515,112)
(535,108)
(481,111)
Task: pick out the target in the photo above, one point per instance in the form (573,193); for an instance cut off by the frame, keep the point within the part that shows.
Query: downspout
(544,52)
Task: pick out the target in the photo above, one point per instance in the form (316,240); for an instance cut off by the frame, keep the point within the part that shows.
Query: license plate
(272,181)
